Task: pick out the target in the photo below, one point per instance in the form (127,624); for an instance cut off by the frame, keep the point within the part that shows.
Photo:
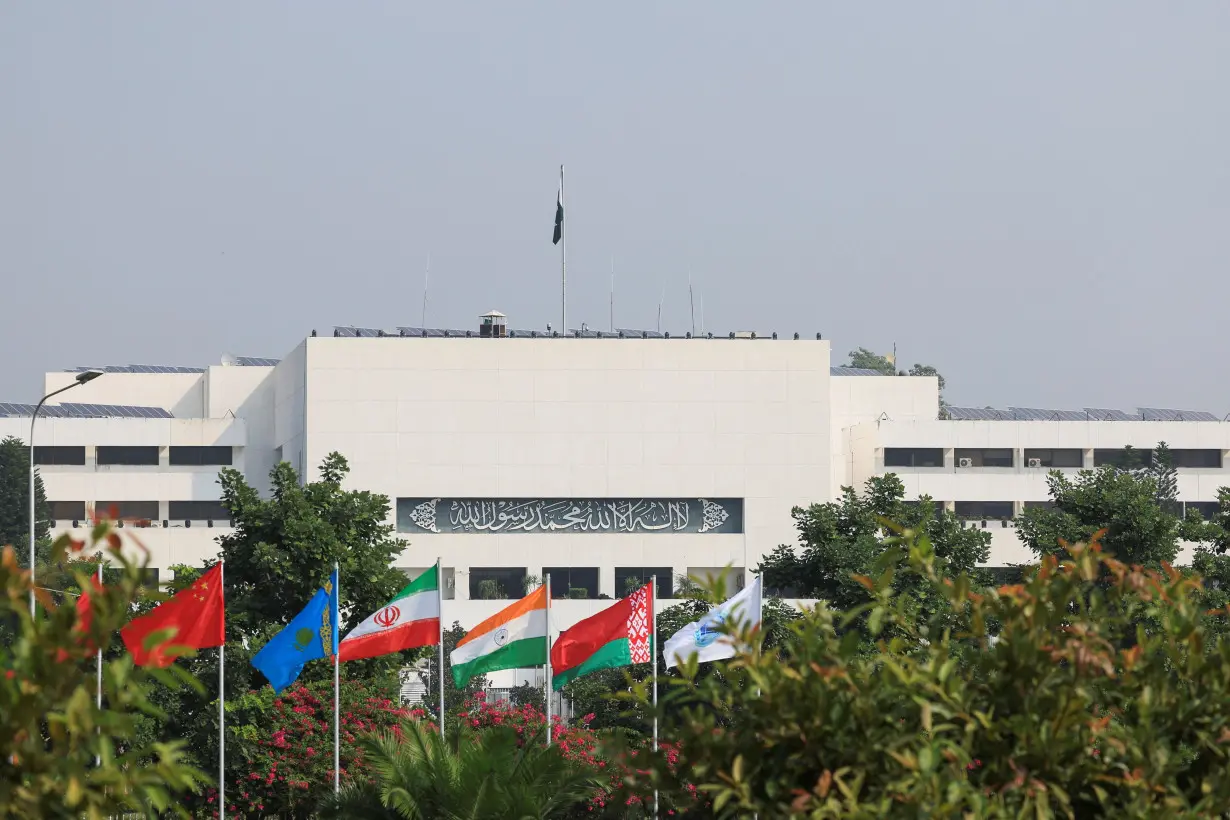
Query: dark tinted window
(132,456)
(913,457)
(628,579)
(1005,575)
(59,455)
(197,511)
(572,582)
(200,456)
(983,509)
(998,457)
(67,510)
(1207,509)
(1054,458)
(497,582)
(1196,458)
(127,510)
(1123,458)
(1039,505)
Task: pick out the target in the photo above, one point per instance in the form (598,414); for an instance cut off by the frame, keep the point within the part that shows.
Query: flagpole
(222,704)
(563,271)
(337,675)
(653,648)
(98,661)
(547,585)
(440,604)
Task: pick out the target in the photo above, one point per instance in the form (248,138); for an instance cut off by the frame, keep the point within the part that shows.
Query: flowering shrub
(280,747)
(583,745)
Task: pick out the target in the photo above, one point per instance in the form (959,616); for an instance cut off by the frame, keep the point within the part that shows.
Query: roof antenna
(692,304)
(661,299)
(426,283)
(612,293)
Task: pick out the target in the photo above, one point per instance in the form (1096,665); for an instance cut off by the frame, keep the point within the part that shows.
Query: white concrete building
(600,460)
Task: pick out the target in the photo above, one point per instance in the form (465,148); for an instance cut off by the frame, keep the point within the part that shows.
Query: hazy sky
(1034,197)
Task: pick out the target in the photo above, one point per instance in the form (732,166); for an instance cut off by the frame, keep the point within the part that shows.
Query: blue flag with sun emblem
(311,635)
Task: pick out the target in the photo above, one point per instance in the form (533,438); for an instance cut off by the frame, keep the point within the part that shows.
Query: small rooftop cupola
(493,325)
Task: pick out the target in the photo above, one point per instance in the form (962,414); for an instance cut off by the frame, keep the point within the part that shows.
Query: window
(629,578)
(983,458)
(983,509)
(1196,459)
(1039,505)
(913,457)
(1207,509)
(1054,458)
(67,510)
(127,510)
(1005,575)
(497,583)
(131,456)
(198,511)
(59,455)
(573,582)
(200,456)
(1127,458)
(149,576)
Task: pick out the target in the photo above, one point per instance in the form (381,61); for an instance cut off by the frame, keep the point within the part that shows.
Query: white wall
(183,394)
(579,418)
(862,399)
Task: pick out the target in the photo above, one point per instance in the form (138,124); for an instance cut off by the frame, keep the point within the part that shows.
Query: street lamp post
(81,378)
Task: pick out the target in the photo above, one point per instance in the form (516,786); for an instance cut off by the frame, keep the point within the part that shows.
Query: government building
(602,459)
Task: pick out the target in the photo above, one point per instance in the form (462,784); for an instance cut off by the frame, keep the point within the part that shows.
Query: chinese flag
(197,615)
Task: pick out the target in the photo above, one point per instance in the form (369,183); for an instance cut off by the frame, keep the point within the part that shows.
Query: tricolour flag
(511,638)
(616,636)
(704,640)
(411,619)
(194,619)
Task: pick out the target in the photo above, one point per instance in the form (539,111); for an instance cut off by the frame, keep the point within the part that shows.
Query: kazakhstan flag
(311,635)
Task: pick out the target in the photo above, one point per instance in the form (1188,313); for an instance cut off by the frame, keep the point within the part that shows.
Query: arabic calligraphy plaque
(571,515)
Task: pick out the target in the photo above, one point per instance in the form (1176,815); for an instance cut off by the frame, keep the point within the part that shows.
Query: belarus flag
(409,620)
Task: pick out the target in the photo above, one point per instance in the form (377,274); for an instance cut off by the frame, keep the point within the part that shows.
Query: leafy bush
(280,747)
(52,731)
(1076,709)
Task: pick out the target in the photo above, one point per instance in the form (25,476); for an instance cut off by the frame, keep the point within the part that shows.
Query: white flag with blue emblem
(703,638)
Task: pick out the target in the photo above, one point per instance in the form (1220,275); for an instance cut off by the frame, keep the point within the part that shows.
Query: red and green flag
(616,636)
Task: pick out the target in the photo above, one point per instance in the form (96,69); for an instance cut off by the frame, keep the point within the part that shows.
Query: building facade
(602,460)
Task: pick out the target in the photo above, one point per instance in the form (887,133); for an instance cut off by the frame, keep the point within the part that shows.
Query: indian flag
(411,619)
(511,638)
(616,636)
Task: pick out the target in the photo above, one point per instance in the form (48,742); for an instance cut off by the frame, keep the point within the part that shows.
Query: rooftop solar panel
(854,371)
(640,334)
(255,361)
(1105,414)
(1162,414)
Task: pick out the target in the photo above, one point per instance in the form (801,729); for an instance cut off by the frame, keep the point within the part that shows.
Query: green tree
(928,370)
(864,358)
(1165,478)
(1124,502)
(480,776)
(429,674)
(284,547)
(64,756)
(1072,712)
(839,540)
(15,503)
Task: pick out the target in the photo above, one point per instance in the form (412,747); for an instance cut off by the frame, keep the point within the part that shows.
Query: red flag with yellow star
(196,616)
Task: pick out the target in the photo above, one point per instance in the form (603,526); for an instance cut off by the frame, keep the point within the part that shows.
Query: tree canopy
(15,501)
(841,539)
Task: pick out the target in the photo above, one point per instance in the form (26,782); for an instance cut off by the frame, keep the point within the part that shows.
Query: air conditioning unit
(965,462)
(1034,462)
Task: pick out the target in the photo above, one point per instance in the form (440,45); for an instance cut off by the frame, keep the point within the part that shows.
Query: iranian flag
(616,636)
(411,619)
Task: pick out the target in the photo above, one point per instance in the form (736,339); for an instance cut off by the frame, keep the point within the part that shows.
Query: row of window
(566,582)
(135,456)
(1005,509)
(141,510)
(1047,458)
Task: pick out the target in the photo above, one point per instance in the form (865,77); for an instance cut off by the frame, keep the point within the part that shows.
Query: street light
(80,379)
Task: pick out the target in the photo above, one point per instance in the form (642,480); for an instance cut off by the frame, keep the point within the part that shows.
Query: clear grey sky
(1034,197)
